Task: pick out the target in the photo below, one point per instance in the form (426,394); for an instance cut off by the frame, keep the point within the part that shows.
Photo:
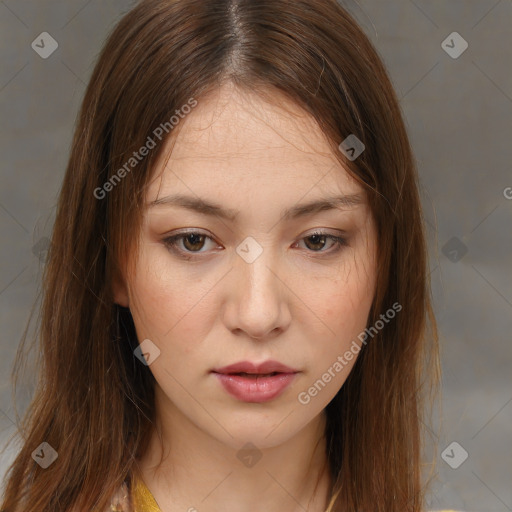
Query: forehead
(236,143)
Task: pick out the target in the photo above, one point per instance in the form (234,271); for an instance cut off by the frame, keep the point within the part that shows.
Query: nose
(257,302)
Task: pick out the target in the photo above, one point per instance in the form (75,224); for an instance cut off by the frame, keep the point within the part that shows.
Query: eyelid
(188,231)
(325,232)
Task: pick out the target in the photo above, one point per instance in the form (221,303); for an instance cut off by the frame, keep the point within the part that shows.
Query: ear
(120,291)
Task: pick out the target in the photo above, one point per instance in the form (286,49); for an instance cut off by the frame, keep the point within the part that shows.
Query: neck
(185,467)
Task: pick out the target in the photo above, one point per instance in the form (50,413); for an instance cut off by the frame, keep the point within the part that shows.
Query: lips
(247,367)
(249,382)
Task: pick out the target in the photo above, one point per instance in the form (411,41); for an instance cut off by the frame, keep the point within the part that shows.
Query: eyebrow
(205,207)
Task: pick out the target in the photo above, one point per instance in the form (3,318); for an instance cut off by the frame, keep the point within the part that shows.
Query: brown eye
(187,243)
(193,241)
(316,242)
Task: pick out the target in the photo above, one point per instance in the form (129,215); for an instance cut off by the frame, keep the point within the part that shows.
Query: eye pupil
(317,239)
(195,239)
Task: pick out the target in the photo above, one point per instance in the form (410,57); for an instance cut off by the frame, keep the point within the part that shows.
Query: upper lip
(257,369)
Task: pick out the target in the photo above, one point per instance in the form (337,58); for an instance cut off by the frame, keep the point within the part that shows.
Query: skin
(299,302)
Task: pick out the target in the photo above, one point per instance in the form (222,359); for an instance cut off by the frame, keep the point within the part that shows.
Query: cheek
(344,303)
(169,304)
(155,307)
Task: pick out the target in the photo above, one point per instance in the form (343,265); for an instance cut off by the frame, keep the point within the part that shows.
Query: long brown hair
(94,401)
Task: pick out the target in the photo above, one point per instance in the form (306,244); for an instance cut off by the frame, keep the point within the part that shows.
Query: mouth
(254,375)
(248,368)
(254,383)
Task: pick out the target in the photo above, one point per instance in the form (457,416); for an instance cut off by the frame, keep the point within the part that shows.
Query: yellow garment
(143,500)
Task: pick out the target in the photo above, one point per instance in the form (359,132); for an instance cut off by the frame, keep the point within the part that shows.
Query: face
(250,266)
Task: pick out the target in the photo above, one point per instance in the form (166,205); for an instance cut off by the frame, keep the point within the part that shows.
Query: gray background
(458,112)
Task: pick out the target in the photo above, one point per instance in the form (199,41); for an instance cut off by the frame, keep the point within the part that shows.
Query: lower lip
(259,389)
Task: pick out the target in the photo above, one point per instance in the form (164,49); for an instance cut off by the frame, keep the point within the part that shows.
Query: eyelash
(171,243)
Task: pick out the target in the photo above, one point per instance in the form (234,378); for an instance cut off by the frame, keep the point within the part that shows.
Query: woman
(236,298)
